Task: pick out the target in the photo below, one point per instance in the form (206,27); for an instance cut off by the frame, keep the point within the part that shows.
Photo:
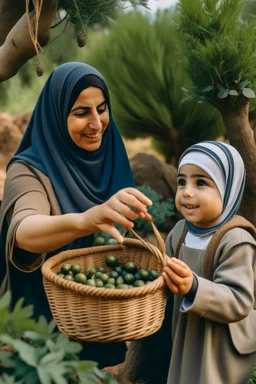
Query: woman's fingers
(130,203)
(113,232)
(122,208)
(133,198)
(133,192)
(145,216)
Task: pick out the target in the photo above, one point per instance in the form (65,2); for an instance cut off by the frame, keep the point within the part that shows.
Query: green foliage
(249,10)
(16,322)
(220,49)
(141,62)
(85,13)
(38,354)
(253,376)
(160,210)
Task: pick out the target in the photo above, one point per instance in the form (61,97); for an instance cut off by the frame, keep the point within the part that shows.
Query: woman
(69,178)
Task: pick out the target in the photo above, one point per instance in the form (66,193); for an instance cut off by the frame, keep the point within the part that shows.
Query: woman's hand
(117,209)
(178,276)
(43,233)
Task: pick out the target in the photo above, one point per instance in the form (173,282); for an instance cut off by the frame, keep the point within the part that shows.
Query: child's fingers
(178,266)
(173,288)
(175,278)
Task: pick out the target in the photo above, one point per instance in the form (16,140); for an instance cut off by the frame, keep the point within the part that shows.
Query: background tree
(25,27)
(141,61)
(221,62)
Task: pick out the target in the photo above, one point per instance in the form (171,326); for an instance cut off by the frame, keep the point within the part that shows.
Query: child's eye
(201,183)
(181,182)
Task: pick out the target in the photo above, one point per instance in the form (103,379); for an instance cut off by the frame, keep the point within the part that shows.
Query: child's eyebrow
(194,175)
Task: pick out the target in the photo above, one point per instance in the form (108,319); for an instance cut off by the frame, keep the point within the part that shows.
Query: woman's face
(88,119)
(197,197)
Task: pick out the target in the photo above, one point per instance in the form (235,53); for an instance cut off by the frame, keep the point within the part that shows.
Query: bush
(253,376)
(34,352)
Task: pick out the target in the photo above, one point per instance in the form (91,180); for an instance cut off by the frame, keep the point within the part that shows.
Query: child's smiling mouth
(190,208)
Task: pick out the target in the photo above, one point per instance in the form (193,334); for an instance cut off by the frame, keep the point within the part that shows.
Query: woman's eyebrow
(85,107)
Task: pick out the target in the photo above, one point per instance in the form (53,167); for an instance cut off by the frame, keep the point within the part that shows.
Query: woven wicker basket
(107,315)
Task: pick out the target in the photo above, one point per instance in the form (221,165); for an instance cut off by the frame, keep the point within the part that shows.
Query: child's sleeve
(230,296)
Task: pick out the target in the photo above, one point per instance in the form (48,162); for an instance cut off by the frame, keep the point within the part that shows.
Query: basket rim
(86,290)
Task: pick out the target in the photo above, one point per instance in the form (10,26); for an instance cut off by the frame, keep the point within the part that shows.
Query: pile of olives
(122,275)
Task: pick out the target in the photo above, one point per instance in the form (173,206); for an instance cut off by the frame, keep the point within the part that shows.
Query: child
(214,322)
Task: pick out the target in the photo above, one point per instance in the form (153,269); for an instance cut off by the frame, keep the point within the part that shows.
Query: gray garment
(214,339)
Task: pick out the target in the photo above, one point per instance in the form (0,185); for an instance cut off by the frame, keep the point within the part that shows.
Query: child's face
(197,198)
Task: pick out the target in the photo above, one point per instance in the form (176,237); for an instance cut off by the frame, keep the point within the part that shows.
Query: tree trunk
(18,47)
(241,136)
(148,359)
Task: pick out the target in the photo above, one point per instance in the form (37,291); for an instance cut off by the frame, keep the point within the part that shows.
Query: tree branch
(10,12)
(18,47)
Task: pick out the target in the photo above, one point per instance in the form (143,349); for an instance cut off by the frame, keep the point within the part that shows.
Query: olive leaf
(233,92)
(208,88)
(242,84)
(249,93)
(223,93)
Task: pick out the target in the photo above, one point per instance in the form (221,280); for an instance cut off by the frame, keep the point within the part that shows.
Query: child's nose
(188,192)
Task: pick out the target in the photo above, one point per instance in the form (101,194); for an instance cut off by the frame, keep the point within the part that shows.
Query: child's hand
(178,276)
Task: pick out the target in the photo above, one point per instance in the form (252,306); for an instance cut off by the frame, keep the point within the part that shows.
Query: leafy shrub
(159,210)
(34,352)
(253,376)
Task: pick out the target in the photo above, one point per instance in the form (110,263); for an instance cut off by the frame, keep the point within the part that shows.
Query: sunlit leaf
(233,92)
(249,93)
(5,300)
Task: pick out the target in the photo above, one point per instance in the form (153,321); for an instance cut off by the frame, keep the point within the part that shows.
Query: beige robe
(27,192)
(214,338)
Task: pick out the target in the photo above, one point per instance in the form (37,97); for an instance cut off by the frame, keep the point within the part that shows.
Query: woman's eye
(100,111)
(201,183)
(181,182)
(82,113)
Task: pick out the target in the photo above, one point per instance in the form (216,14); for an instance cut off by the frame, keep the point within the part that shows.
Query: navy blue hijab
(79,178)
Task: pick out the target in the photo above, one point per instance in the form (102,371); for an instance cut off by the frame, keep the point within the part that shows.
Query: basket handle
(158,252)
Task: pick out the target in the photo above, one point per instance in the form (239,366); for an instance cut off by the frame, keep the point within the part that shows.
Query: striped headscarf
(229,177)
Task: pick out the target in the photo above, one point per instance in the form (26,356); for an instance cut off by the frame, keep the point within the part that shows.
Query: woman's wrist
(83,224)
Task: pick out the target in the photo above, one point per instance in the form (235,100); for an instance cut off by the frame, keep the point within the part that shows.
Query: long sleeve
(230,297)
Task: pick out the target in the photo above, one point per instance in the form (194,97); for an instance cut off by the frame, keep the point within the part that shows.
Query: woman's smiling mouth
(91,136)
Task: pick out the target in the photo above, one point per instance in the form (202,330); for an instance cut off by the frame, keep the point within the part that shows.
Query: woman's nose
(95,121)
